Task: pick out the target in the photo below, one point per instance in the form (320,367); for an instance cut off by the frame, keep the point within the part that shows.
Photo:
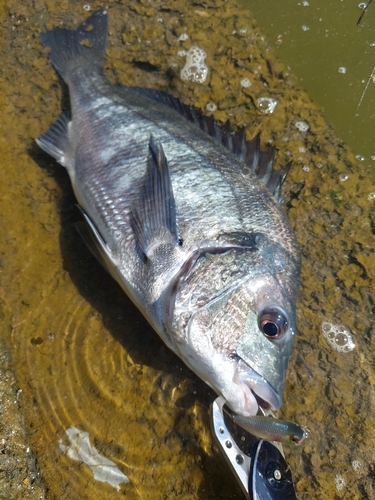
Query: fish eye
(273,323)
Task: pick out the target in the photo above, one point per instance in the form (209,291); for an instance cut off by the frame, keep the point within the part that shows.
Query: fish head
(240,339)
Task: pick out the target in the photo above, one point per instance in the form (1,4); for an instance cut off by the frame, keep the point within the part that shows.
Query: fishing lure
(272,429)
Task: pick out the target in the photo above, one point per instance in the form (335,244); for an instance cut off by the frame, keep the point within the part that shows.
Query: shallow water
(85,358)
(333,58)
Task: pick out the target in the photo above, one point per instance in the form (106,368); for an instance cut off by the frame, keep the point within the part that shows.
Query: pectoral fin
(154,213)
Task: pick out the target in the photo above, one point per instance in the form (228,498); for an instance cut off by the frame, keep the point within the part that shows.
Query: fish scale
(185,215)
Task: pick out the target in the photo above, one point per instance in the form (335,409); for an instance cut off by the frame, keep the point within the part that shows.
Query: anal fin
(55,141)
(95,242)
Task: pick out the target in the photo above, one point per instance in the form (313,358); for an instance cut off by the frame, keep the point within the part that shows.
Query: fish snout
(257,391)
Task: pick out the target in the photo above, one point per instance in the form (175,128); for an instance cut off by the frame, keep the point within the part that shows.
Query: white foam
(302,126)
(267,105)
(357,466)
(339,482)
(245,82)
(195,69)
(211,106)
(338,336)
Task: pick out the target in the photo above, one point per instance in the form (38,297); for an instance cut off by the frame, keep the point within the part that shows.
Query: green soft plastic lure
(272,429)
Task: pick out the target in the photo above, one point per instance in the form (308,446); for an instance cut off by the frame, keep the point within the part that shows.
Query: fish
(186,215)
(272,429)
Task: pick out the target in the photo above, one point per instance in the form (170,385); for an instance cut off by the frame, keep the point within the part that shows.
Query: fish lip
(261,402)
(256,386)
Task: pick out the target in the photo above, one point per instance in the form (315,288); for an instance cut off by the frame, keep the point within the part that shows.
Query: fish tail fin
(86,44)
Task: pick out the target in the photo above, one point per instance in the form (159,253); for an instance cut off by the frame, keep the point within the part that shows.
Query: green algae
(84,357)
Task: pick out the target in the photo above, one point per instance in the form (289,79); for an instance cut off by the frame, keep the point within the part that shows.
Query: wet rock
(19,477)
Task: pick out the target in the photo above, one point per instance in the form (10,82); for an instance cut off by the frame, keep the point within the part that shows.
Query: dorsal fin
(260,162)
(154,212)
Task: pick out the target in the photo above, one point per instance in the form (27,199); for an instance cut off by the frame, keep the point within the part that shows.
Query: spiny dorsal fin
(154,213)
(260,162)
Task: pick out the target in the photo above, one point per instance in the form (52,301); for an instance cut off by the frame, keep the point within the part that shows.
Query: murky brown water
(82,354)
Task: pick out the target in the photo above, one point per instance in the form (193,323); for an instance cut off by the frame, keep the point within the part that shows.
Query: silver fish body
(195,239)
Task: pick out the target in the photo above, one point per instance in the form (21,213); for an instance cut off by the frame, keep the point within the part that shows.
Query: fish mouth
(261,402)
(257,391)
